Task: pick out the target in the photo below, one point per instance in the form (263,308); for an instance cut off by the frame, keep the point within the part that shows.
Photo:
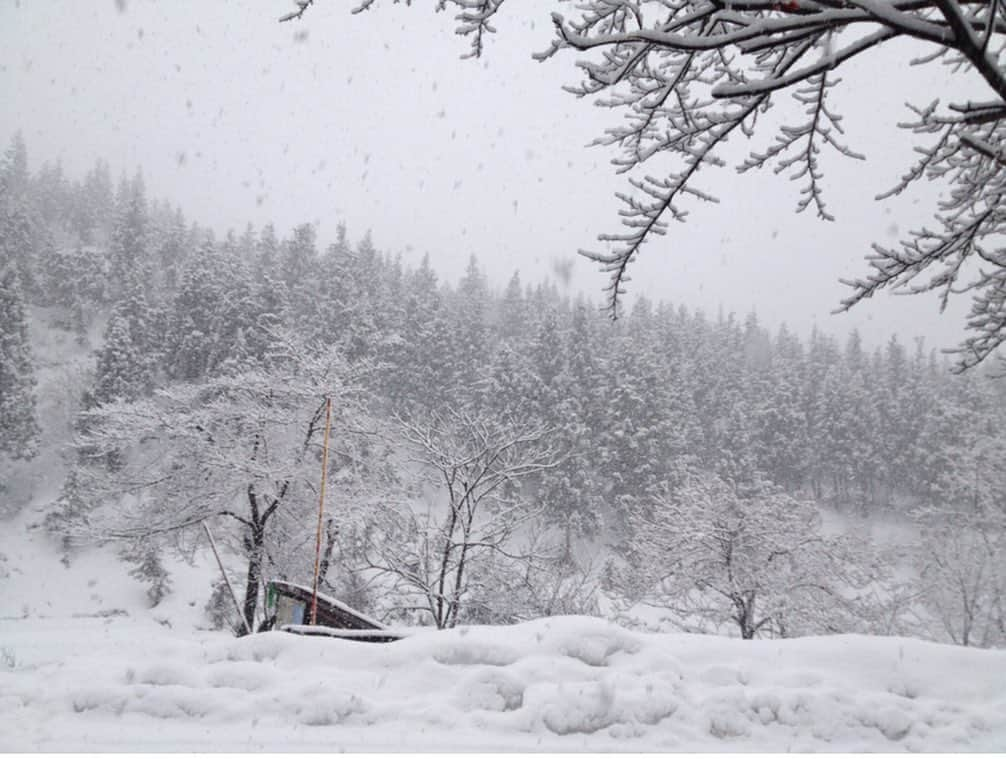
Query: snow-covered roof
(333,602)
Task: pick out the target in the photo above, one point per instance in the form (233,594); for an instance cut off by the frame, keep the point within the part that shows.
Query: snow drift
(559,684)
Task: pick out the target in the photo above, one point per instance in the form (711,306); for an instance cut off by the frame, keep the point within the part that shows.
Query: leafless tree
(550,581)
(758,562)
(961,555)
(688,74)
(961,562)
(433,553)
(243,447)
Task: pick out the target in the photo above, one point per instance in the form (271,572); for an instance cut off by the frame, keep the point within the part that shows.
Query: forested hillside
(500,451)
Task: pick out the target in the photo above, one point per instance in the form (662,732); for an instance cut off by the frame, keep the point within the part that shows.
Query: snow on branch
(820,128)
(962,253)
(685,74)
(302,5)
(436,557)
(474,17)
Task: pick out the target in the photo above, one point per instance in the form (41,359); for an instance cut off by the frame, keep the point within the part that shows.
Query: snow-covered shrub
(145,554)
(68,511)
(220,609)
(8,660)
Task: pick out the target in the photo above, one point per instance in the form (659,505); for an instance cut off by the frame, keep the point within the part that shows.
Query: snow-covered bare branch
(688,74)
(475,464)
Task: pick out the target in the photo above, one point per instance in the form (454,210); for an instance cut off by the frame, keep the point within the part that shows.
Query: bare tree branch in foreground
(688,74)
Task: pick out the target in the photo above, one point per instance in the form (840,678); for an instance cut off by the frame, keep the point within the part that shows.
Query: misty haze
(522,376)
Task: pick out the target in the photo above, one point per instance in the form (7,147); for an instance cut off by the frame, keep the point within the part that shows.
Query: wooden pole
(321,510)
(234,598)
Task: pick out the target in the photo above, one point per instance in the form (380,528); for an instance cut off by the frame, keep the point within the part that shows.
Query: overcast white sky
(373,120)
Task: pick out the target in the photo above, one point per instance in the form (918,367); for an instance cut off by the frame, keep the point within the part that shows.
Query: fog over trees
(500,451)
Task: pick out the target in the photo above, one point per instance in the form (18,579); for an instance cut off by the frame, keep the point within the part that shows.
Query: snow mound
(558,684)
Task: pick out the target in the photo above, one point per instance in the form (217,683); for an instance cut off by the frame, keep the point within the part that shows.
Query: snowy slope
(85,666)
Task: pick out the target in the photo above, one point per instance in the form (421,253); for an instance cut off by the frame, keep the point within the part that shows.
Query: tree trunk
(440,615)
(745,616)
(255,552)
(326,557)
(455,605)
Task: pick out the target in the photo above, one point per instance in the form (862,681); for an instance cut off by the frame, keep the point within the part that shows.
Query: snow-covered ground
(559,684)
(84,666)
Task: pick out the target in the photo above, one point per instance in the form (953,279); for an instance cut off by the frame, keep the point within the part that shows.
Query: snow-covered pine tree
(148,568)
(780,422)
(389,342)
(52,196)
(68,510)
(170,252)
(345,309)
(127,252)
(848,423)
(569,492)
(194,319)
(18,240)
(19,431)
(92,205)
(426,371)
(372,321)
(513,316)
(270,297)
(299,258)
(548,360)
(129,355)
(118,375)
(63,282)
(237,313)
(14,176)
(468,351)
(822,354)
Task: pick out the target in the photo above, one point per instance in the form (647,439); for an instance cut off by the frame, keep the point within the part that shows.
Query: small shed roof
(332,609)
